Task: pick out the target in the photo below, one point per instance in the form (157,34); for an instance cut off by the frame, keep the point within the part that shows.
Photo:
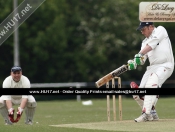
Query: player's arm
(24,100)
(145,50)
(9,106)
(7,98)
(21,108)
(6,83)
(151,44)
(26,82)
(141,57)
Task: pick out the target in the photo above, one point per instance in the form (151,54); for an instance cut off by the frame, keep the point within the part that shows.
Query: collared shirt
(10,83)
(161,52)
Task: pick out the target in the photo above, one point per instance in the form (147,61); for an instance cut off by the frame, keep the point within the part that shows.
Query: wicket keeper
(25,102)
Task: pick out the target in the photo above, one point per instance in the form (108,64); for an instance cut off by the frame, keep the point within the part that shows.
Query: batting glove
(138,59)
(131,65)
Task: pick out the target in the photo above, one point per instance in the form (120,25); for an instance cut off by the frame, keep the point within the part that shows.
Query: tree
(76,40)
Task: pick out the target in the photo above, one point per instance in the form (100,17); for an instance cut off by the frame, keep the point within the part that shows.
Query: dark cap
(16,68)
(143,24)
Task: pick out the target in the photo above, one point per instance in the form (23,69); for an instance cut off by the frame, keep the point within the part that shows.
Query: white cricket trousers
(16,101)
(162,72)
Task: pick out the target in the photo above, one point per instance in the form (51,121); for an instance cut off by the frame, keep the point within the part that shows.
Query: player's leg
(140,99)
(162,73)
(30,110)
(153,110)
(4,112)
(153,78)
(149,100)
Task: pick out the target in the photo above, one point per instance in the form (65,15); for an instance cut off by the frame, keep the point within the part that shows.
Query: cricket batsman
(156,47)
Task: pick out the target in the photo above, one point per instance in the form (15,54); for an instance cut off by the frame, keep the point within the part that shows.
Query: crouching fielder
(157,48)
(26,103)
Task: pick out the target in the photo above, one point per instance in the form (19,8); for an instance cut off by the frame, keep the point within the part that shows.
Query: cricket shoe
(28,122)
(8,122)
(155,116)
(144,117)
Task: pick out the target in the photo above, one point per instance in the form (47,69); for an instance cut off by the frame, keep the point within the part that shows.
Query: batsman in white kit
(25,102)
(156,47)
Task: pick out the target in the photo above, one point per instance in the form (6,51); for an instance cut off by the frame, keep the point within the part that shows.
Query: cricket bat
(111,75)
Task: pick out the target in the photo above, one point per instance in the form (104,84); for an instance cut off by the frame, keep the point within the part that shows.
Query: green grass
(72,116)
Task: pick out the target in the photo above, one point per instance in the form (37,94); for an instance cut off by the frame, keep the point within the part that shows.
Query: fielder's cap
(16,68)
(143,24)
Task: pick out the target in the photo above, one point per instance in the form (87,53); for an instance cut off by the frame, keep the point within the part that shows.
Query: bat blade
(103,80)
(111,75)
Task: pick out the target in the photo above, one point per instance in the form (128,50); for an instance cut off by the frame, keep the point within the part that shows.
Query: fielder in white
(157,48)
(27,102)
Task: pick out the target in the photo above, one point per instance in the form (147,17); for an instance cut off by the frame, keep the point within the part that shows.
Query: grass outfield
(72,116)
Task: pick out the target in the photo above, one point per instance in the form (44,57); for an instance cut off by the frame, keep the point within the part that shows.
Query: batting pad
(148,103)
(30,111)
(138,100)
(4,113)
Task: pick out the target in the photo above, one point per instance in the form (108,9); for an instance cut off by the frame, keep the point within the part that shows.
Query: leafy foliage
(76,40)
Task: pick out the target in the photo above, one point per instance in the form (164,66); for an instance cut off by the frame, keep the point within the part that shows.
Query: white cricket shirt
(10,83)
(161,52)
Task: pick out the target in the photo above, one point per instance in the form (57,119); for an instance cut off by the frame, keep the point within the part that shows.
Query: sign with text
(86,91)
(157,11)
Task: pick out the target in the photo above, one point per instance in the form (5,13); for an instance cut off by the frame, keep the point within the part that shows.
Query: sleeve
(24,96)
(26,83)
(6,83)
(157,37)
(145,56)
(6,97)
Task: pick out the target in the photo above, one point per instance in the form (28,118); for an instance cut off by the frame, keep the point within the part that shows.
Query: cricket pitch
(163,125)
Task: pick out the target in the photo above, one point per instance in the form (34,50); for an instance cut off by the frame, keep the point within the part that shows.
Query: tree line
(76,40)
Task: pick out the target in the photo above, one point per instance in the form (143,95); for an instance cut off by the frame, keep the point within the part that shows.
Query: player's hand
(139,59)
(132,65)
(11,115)
(19,114)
